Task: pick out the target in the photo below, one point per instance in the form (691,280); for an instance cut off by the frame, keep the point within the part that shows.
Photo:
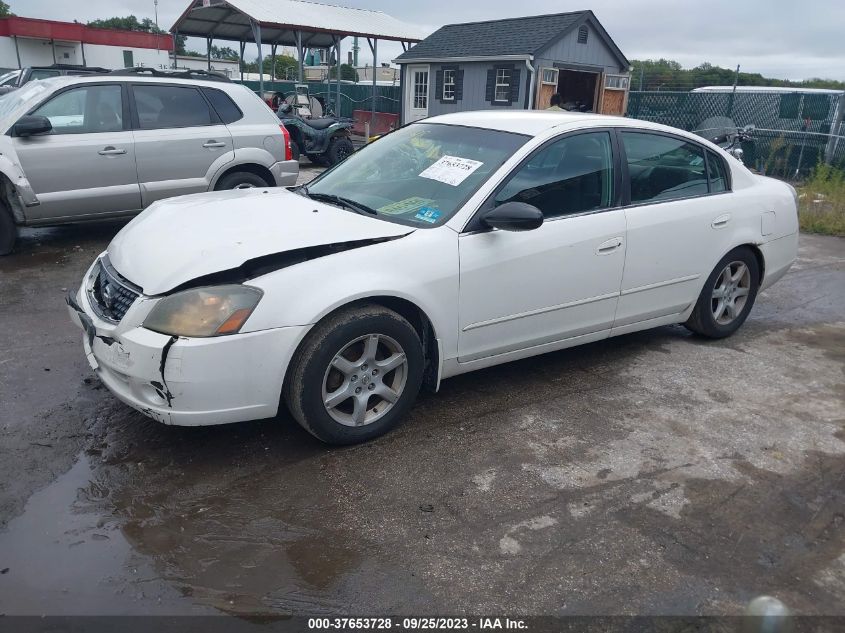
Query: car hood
(181,239)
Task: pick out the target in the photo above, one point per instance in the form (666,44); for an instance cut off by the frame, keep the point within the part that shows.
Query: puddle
(61,557)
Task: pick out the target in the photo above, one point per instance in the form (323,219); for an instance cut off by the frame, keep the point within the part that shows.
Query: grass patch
(821,202)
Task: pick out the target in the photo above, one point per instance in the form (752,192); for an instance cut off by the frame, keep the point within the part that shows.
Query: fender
(243,156)
(21,190)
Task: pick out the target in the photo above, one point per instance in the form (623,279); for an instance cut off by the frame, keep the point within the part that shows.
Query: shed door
(418,93)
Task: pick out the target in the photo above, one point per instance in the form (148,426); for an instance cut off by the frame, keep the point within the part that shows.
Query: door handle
(605,248)
(213,143)
(110,150)
(721,221)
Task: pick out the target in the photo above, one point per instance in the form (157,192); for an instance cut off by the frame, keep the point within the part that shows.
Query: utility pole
(733,94)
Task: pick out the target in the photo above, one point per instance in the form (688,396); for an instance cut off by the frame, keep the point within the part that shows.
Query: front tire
(356,375)
(8,231)
(728,295)
(240,180)
(339,150)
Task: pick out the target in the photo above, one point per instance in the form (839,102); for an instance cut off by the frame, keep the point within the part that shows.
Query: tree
(224,52)
(347,73)
(5,11)
(131,23)
(287,68)
(665,74)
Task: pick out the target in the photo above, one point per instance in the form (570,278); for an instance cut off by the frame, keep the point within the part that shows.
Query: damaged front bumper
(186,381)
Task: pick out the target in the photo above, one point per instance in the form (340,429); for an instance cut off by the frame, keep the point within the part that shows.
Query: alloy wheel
(364,380)
(730,292)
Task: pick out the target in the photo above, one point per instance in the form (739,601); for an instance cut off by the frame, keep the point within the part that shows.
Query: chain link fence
(352,96)
(795,131)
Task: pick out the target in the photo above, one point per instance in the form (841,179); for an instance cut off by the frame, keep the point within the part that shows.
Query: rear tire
(8,231)
(339,150)
(728,295)
(347,363)
(240,180)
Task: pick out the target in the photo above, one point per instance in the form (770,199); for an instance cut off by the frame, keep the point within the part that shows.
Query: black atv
(325,141)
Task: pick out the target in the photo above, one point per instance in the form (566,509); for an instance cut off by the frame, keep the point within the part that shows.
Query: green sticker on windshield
(408,205)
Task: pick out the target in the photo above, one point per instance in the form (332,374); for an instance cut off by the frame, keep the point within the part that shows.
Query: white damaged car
(449,245)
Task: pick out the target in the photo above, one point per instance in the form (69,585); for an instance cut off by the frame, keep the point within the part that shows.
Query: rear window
(170,106)
(223,105)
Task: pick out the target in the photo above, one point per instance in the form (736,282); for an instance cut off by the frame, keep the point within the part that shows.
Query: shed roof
(280,19)
(504,38)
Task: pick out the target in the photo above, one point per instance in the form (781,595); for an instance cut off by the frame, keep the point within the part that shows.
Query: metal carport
(304,25)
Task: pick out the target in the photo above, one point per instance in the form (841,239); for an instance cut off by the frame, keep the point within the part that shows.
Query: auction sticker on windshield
(408,205)
(452,170)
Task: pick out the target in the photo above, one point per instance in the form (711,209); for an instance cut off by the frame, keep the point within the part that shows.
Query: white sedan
(452,244)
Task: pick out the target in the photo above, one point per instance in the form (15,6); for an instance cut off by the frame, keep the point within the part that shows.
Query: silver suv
(102,146)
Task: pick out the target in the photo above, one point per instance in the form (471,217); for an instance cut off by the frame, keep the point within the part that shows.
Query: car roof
(541,122)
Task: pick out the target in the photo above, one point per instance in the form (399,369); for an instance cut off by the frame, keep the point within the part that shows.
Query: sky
(777,38)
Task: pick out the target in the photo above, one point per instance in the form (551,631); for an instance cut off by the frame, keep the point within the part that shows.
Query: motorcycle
(732,142)
(325,141)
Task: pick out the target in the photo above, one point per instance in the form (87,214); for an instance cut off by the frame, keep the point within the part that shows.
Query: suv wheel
(240,180)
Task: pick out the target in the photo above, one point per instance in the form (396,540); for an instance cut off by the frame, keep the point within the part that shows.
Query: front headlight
(210,311)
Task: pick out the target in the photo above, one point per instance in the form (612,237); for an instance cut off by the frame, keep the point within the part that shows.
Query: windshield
(420,174)
(22,97)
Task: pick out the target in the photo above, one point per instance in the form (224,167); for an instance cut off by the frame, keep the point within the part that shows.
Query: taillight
(288,151)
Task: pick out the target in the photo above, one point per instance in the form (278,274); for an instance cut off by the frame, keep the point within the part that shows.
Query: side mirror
(31,125)
(514,216)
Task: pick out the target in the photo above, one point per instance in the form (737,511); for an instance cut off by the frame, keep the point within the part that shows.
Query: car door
(678,221)
(180,142)
(86,165)
(561,281)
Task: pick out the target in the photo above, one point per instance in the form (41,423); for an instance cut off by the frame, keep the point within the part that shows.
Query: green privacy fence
(352,96)
(795,130)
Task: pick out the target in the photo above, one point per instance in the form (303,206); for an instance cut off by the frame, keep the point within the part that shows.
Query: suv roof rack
(92,69)
(178,74)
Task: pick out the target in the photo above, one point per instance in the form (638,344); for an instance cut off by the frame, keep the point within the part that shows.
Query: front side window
(39,73)
(448,85)
(420,174)
(85,110)
(170,107)
(503,84)
(663,167)
(569,176)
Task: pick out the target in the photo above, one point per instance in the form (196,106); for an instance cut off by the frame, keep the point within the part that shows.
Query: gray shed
(515,63)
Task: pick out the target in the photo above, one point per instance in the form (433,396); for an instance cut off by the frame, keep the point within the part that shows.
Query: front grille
(111,295)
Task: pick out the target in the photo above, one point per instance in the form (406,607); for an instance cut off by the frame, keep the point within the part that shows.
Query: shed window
(582,34)
(616,82)
(503,84)
(449,85)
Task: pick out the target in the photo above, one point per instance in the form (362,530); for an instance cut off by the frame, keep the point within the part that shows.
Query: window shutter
(491,85)
(438,85)
(515,85)
(459,85)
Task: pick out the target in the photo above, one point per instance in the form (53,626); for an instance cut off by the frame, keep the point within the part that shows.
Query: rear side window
(223,104)
(571,175)
(170,106)
(663,168)
(717,173)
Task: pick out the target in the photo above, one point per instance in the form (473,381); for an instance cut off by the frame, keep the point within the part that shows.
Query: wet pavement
(655,473)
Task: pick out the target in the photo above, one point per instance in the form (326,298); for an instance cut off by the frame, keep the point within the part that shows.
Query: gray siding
(567,50)
(474,91)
